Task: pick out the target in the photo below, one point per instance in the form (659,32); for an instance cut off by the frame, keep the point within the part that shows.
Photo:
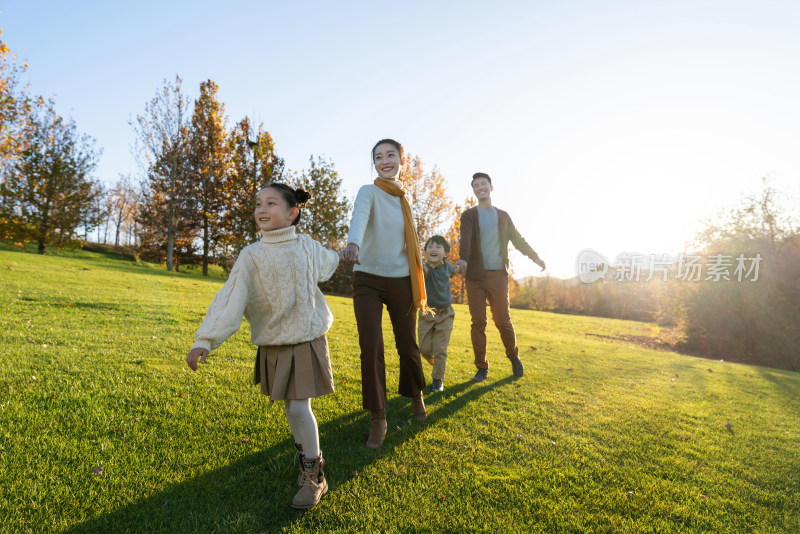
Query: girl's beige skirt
(301,371)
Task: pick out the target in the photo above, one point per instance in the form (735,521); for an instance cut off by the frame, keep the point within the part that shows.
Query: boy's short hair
(439,240)
(481,175)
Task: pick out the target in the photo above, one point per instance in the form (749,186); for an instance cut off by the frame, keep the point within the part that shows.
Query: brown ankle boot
(300,457)
(378,429)
(418,407)
(314,484)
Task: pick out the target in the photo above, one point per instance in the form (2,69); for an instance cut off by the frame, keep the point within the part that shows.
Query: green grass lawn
(103,428)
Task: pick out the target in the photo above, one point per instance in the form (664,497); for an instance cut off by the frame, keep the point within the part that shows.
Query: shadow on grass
(254,492)
(785,381)
(110,261)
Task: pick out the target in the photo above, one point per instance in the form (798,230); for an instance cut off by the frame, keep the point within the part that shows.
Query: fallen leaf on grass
(85,269)
(118,429)
(729,427)
(533,348)
(519,436)
(354,474)
(245,439)
(182,394)
(631,493)
(703,496)
(97,470)
(710,371)
(570,369)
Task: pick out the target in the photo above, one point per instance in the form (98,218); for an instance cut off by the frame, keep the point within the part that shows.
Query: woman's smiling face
(387,160)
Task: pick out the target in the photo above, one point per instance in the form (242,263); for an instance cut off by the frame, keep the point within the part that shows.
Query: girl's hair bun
(301,196)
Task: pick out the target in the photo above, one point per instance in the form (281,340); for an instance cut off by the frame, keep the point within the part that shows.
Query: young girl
(382,243)
(274,285)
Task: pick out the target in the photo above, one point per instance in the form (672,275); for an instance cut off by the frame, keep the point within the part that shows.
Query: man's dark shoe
(516,366)
(481,375)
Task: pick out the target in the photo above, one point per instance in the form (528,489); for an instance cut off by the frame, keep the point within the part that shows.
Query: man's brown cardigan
(469,242)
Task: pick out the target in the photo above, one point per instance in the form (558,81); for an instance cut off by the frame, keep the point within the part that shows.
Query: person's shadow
(259,487)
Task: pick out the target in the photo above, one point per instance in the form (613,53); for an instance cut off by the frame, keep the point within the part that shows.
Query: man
(483,251)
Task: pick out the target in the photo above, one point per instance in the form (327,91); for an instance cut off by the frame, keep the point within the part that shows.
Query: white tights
(303,425)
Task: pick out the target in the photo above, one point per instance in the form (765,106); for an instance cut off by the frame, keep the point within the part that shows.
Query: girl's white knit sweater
(273,284)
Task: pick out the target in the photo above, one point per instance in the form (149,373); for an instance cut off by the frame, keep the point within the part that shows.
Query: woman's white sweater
(273,284)
(378,228)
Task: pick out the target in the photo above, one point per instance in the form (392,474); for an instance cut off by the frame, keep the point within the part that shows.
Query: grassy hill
(103,428)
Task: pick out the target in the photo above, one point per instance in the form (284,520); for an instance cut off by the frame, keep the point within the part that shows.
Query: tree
(16,108)
(759,216)
(325,217)
(209,160)
(426,193)
(123,206)
(755,320)
(153,215)
(253,164)
(458,286)
(49,192)
(162,138)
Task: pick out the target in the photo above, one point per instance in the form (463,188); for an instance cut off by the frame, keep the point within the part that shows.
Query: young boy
(434,330)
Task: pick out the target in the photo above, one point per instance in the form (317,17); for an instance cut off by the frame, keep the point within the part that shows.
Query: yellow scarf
(412,244)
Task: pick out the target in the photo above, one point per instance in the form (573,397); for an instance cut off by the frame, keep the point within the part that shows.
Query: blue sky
(613,125)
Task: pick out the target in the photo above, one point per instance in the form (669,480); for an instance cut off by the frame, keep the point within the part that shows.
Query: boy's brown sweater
(469,241)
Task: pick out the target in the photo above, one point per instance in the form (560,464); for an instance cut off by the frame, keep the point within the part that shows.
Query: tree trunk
(116,235)
(205,244)
(171,223)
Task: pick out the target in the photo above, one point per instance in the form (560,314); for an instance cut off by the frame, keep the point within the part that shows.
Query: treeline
(192,201)
(736,298)
(47,191)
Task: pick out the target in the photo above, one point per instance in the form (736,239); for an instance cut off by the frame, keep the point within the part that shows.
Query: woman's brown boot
(378,429)
(418,407)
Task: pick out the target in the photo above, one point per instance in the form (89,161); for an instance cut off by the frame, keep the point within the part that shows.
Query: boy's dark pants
(370,293)
(493,287)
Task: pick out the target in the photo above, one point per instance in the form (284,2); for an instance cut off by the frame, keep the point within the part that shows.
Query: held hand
(194,354)
(349,254)
(462,266)
(540,263)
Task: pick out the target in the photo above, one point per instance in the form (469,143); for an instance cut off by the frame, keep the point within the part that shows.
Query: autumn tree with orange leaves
(458,286)
(253,165)
(427,195)
(209,158)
